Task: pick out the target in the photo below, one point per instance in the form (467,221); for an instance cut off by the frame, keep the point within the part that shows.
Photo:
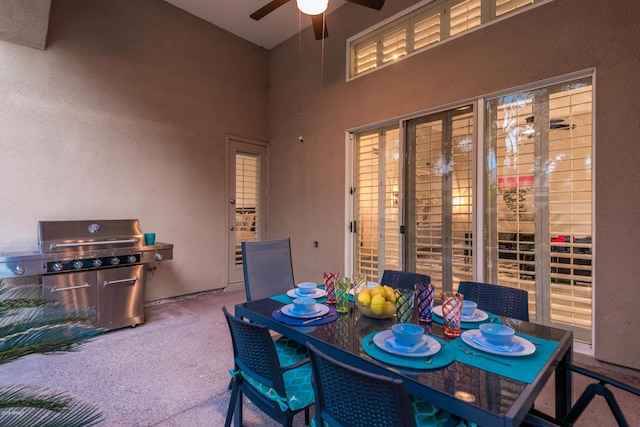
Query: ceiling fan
(316,11)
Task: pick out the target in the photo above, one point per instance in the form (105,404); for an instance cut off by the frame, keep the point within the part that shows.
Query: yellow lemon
(378,304)
(378,290)
(364,297)
(389,308)
(390,293)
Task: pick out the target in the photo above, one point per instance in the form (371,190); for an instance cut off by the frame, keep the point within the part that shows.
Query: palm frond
(45,339)
(31,324)
(27,406)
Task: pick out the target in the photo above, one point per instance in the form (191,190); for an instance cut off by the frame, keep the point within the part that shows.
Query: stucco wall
(554,39)
(124,115)
(25,22)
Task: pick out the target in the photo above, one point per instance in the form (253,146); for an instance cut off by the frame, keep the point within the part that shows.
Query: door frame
(234,145)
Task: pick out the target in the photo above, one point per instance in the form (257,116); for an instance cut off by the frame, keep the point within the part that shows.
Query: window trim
(405,18)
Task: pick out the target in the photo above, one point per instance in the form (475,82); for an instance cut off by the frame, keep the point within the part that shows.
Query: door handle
(117,282)
(86,285)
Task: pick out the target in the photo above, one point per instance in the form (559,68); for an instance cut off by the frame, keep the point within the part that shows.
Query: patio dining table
(489,390)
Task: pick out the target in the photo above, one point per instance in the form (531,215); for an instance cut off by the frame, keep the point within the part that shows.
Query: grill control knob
(131,259)
(77,264)
(19,270)
(114,261)
(96,262)
(158,257)
(57,266)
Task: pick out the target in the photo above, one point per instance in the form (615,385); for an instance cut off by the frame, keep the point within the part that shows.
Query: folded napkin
(512,347)
(393,345)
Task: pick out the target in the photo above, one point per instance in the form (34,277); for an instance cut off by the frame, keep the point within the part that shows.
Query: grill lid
(87,236)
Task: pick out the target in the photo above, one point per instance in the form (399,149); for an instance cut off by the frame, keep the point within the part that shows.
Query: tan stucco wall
(25,22)
(124,115)
(554,39)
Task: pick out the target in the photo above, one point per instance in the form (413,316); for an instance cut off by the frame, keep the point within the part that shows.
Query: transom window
(418,29)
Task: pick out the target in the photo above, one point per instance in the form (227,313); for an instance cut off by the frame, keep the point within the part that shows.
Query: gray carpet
(173,371)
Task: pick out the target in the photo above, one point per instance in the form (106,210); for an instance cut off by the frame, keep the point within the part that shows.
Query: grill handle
(117,282)
(103,242)
(68,288)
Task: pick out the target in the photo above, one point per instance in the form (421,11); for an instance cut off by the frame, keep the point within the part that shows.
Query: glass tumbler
(404,305)
(452,313)
(330,278)
(424,300)
(342,286)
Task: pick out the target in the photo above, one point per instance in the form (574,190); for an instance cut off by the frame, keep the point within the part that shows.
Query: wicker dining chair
(267,268)
(276,380)
(403,279)
(500,300)
(350,397)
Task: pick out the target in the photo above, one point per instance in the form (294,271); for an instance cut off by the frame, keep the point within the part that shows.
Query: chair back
(350,397)
(403,279)
(500,300)
(254,352)
(267,268)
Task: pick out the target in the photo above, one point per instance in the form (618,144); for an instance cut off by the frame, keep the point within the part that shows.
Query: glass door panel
(439,196)
(377,204)
(538,198)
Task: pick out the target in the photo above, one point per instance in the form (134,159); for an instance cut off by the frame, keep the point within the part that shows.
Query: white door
(247,199)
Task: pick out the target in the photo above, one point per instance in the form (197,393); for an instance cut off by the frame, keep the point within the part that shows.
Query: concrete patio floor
(174,370)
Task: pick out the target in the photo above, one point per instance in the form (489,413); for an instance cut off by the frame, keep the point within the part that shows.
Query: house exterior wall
(124,115)
(554,39)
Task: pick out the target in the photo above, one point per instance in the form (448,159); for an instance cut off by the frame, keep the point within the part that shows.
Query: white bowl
(307,288)
(496,334)
(304,305)
(407,333)
(469,308)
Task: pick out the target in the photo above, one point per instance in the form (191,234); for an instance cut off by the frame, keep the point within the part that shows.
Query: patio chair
(500,300)
(350,397)
(276,380)
(403,279)
(267,268)
(537,418)
(268,271)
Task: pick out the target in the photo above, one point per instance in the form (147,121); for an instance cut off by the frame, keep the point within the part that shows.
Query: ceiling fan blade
(267,9)
(318,27)
(373,4)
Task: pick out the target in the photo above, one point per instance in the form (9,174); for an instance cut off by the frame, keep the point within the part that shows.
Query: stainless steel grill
(95,264)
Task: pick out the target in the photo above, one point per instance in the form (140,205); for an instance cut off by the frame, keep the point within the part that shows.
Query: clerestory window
(420,28)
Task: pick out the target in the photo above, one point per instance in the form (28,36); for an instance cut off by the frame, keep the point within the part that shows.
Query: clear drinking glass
(404,305)
(452,313)
(342,287)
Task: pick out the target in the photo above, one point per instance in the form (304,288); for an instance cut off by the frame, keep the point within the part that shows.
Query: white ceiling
(233,16)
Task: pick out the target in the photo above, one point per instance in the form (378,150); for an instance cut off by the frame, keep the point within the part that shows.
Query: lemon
(389,308)
(378,290)
(364,297)
(378,304)
(390,293)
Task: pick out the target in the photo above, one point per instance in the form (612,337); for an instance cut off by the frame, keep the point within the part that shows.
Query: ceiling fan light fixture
(312,7)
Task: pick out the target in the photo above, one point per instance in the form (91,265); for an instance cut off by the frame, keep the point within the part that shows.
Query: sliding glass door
(520,215)
(438,176)
(538,199)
